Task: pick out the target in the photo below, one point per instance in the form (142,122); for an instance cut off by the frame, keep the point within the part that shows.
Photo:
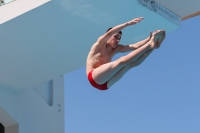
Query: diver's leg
(121,72)
(104,72)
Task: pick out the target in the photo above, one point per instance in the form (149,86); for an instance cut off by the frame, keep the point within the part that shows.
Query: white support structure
(8,111)
(36,110)
(18,7)
(10,125)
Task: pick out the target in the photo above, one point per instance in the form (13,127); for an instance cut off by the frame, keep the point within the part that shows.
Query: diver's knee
(122,61)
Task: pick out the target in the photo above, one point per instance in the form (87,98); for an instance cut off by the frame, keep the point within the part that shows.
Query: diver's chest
(105,56)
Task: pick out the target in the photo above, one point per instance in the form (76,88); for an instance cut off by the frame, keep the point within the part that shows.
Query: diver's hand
(135,21)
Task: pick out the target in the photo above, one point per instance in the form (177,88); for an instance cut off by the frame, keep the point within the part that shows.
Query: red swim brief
(94,84)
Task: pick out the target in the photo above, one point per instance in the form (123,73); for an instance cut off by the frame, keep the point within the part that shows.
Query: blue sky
(159,96)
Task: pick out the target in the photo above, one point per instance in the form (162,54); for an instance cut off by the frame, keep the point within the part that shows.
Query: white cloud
(86,10)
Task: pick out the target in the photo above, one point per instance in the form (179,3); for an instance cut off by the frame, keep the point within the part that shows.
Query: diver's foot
(154,39)
(161,37)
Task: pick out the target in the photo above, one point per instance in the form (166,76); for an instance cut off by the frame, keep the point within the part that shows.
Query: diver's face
(114,40)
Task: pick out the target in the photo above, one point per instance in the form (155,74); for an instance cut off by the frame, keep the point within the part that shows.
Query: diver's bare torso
(99,54)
